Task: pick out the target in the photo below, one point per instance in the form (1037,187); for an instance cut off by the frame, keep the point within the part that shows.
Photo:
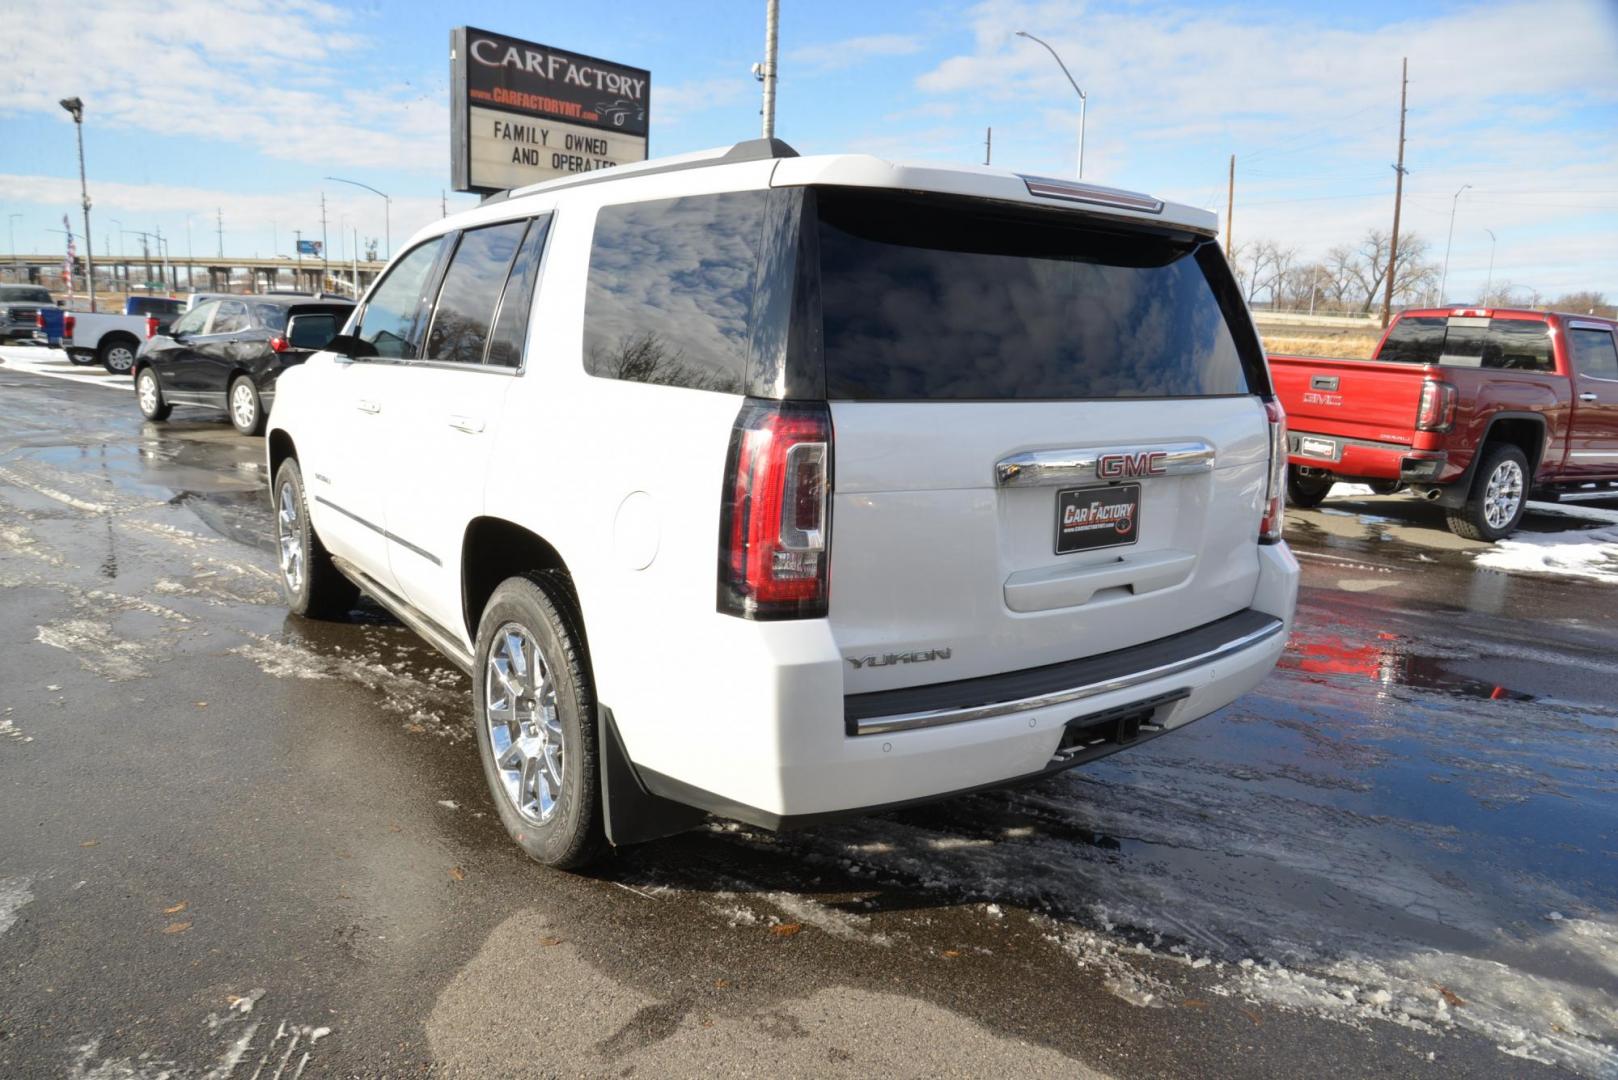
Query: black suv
(227,353)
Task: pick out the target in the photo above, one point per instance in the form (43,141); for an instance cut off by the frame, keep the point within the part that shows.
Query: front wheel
(150,396)
(535,717)
(118,355)
(1307,492)
(1498,497)
(246,409)
(313,585)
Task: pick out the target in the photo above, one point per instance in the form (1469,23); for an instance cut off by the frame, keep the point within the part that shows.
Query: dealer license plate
(1097,517)
(1309,446)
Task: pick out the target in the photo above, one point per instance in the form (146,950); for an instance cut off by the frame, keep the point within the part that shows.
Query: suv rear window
(670,287)
(925,301)
(1470,341)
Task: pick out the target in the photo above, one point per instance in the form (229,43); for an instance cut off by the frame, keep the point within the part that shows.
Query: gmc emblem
(1120,466)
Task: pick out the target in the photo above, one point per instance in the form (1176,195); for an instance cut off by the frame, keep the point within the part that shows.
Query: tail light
(775,517)
(39,320)
(151,327)
(1437,409)
(68,322)
(1269,528)
(278,344)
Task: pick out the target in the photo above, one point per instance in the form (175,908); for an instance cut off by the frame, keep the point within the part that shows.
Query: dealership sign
(521,112)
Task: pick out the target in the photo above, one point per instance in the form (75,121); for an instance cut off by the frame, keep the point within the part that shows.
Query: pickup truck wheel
(536,729)
(150,396)
(1306,492)
(1384,487)
(82,359)
(314,588)
(246,410)
(118,355)
(1499,496)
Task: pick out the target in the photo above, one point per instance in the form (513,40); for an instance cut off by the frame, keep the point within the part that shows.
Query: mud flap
(630,813)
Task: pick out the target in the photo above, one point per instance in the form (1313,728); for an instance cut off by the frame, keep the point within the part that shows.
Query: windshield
(925,300)
(24,294)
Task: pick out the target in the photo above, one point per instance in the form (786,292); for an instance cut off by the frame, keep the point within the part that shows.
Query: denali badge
(1118,466)
(884,660)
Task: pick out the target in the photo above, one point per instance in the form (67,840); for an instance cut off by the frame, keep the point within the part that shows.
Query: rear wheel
(1308,491)
(118,354)
(150,396)
(1498,497)
(535,709)
(1384,487)
(246,410)
(313,585)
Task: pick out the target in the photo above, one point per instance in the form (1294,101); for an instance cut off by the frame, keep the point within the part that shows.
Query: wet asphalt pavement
(234,843)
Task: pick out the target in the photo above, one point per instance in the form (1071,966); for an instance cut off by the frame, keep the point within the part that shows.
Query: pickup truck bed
(1446,392)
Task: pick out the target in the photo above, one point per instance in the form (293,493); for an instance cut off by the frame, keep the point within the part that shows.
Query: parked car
(20,307)
(113,339)
(785,488)
(1474,409)
(228,354)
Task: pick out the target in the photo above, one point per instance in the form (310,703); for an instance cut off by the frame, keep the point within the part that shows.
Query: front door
(1593,440)
(172,352)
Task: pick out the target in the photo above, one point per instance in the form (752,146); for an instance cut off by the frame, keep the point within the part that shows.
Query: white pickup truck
(112,339)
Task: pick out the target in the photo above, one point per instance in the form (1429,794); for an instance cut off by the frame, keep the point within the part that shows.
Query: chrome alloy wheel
(1503,496)
(525,732)
(146,390)
(290,534)
(120,358)
(242,405)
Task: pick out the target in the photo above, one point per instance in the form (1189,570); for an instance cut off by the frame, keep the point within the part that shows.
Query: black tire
(1384,487)
(1473,519)
(149,395)
(1307,492)
(245,407)
(542,611)
(318,590)
(117,354)
(81,359)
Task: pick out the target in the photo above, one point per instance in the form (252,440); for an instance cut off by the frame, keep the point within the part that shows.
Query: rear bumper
(1361,458)
(801,766)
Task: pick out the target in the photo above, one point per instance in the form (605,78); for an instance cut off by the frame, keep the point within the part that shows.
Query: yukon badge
(1118,466)
(919,657)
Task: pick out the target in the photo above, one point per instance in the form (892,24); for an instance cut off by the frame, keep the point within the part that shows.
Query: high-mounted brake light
(1073,191)
(1437,409)
(151,327)
(775,514)
(1269,527)
(68,322)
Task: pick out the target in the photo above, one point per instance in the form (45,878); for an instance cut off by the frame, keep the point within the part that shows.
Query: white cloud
(837,55)
(246,72)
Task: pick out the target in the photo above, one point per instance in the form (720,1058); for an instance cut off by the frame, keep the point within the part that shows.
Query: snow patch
(1350,491)
(14,896)
(1587,553)
(95,647)
(837,923)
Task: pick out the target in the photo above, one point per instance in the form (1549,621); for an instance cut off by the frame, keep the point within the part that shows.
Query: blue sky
(194,105)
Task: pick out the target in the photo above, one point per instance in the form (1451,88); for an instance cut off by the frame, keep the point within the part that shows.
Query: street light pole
(387,213)
(1453,206)
(75,108)
(11,228)
(1488,282)
(1084,98)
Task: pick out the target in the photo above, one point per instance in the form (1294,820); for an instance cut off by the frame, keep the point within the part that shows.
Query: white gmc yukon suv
(779,488)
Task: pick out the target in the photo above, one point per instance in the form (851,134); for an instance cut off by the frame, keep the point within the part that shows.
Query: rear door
(1593,439)
(1050,440)
(214,355)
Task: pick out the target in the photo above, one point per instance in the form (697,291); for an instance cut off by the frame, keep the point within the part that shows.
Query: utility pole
(219,219)
(1398,196)
(297,245)
(988,144)
(325,263)
(766,71)
(1488,281)
(1230,205)
(443,204)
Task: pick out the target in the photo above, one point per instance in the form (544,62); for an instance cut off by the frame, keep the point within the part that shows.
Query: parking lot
(243,844)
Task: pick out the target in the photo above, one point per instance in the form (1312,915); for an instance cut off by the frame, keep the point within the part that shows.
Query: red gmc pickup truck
(1472,408)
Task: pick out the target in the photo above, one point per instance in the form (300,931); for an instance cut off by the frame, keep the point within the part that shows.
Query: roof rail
(746,150)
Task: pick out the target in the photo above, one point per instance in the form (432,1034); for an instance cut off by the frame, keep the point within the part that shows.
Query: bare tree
(1585,302)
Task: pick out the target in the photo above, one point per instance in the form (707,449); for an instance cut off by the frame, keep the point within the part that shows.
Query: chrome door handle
(469,424)
(366,406)
(1587,397)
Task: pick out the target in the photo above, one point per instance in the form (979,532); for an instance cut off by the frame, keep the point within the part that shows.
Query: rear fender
(1453,495)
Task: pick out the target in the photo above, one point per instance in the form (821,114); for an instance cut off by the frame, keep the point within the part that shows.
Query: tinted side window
(1594,353)
(270,316)
(231,318)
(669,291)
(1415,340)
(1519,345)
(511,325)
(924,300)
(389,322)
(194,320)
(470,292)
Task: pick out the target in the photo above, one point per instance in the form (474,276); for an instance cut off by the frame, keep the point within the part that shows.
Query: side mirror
(311,332)
(350,346)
